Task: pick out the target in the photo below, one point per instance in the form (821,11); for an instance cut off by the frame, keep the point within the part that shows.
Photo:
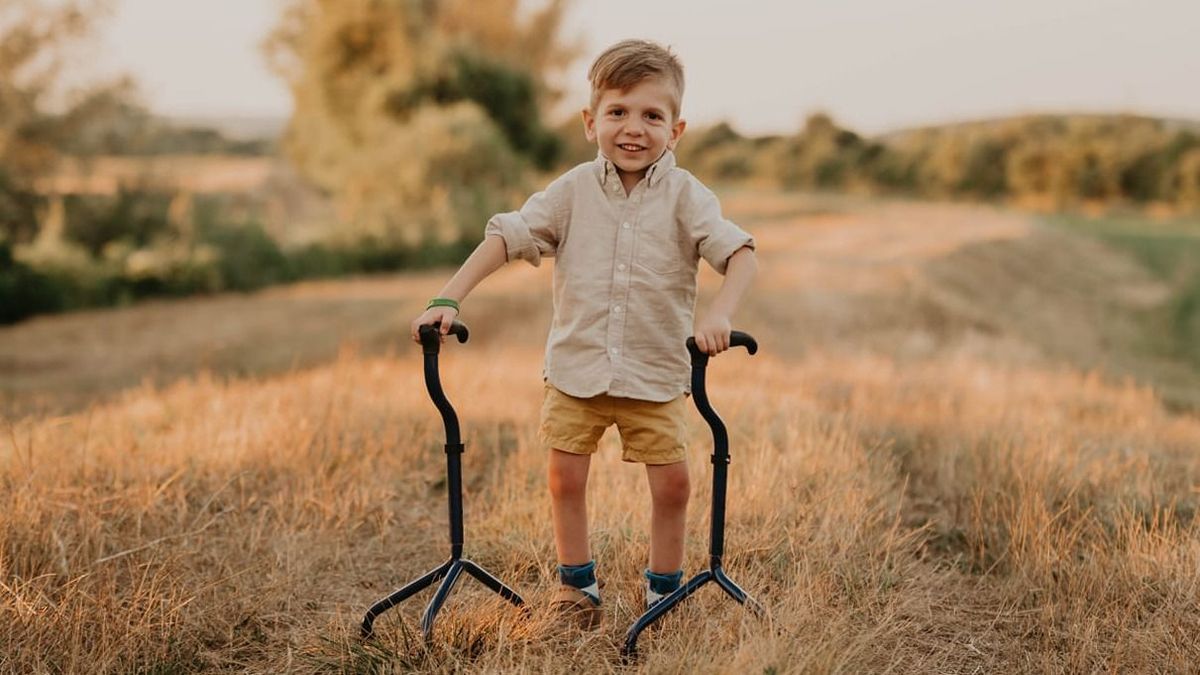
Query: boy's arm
(488,257)
(530,233)
(712,330)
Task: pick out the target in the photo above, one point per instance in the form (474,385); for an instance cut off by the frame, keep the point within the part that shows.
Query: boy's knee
(672,489)
(567,482)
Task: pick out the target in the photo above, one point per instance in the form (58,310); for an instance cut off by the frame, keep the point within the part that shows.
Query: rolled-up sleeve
(713,236)
(533,232)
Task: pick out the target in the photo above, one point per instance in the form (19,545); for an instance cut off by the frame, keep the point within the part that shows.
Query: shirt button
(625,225)
(617,309)
(621,267)
(615,351)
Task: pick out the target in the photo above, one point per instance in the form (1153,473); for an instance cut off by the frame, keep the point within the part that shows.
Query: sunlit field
(953,453)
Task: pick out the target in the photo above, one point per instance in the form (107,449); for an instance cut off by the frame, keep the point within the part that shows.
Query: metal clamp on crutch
(450,570)
(716,545)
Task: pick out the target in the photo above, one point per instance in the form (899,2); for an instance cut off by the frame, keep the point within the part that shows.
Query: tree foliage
(421,116)
(40,115)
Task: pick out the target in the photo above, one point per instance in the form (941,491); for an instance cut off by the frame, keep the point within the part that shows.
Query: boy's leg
(570,429)
(669,492)
(655,434)
(578,598)
(568,506)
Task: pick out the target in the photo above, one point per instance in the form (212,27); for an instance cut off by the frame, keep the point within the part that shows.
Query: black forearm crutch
(450,570)
(716,545)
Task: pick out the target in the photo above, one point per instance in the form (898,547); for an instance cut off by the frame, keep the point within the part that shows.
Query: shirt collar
(654,174)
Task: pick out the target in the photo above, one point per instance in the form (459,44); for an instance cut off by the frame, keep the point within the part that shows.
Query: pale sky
(875,65)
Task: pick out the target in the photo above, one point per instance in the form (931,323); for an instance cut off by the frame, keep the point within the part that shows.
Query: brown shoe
(576,608)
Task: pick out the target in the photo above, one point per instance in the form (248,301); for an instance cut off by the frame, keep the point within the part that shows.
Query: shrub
(245,257)
(169,266)
(132,215)
(1187,180)
(18,210)
(23,291)
(983,172)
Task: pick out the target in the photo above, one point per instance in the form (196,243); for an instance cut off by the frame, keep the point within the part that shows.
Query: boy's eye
(654,116)
(616,112)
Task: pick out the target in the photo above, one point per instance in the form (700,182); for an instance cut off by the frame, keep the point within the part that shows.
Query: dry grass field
(949,456)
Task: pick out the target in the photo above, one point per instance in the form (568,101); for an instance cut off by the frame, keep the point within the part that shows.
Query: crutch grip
(736,339)
(431,338)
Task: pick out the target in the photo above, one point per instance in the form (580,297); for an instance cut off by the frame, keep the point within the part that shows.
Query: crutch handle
(739,339)
(431,335)
(736,339)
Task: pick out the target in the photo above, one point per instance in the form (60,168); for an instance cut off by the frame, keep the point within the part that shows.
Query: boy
(628,230)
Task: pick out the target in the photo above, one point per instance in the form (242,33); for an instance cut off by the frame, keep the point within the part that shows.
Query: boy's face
(634,127)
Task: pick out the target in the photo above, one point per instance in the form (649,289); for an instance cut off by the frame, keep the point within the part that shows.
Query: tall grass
(949,516)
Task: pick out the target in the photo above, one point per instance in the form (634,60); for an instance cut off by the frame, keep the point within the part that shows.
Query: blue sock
(582,577)
(659,586)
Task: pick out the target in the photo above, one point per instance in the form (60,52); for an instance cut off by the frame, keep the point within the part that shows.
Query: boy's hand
(712,334)
(433,315)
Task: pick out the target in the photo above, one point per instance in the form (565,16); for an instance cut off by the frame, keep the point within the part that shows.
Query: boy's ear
(676,133)
(589,125)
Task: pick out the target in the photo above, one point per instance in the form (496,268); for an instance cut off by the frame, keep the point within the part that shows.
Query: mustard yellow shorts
(651,432)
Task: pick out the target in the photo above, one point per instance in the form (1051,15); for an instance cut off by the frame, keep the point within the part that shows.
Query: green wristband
(443,302)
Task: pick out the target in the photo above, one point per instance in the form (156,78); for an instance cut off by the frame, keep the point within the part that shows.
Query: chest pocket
(658,249)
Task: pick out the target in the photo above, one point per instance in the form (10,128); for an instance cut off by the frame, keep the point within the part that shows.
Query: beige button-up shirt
(625,279)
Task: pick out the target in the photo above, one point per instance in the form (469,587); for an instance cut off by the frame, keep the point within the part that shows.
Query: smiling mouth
(630,147)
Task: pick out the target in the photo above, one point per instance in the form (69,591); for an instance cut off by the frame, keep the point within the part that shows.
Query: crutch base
(448,573)
(668,603)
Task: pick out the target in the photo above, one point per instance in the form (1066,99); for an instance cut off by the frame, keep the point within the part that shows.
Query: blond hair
(628,62)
